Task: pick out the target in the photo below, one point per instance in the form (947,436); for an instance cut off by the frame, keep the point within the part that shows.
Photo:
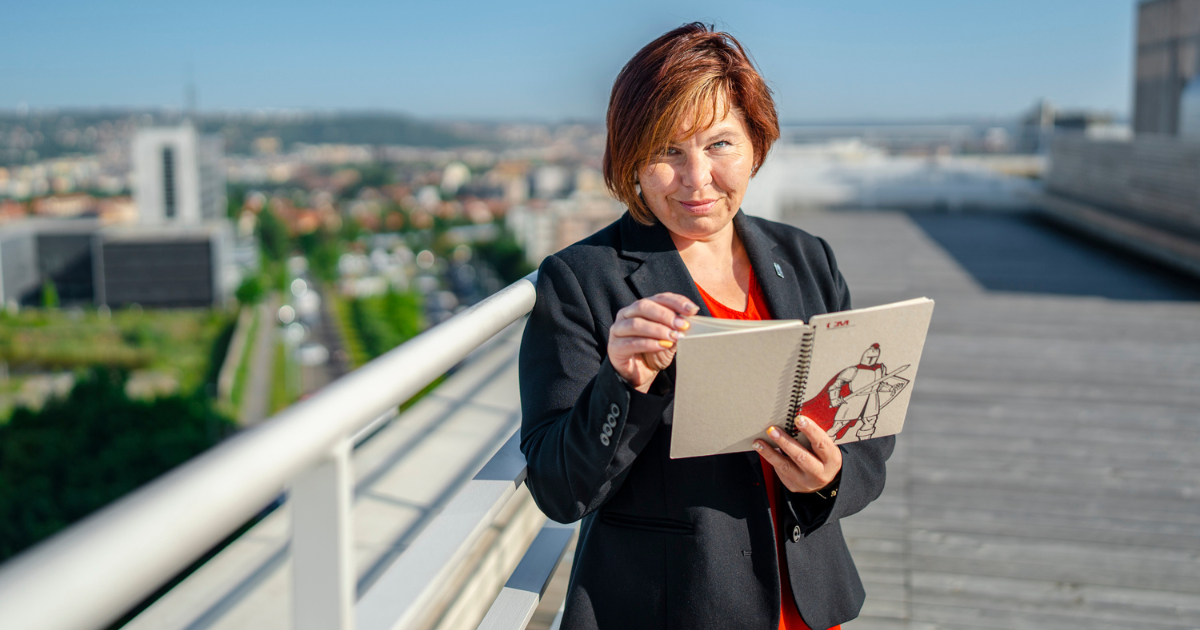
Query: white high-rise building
(178,177)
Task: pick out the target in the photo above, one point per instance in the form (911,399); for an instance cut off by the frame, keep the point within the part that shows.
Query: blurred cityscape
(201,271)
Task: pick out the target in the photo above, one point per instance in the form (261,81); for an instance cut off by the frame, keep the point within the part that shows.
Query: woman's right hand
(642,339)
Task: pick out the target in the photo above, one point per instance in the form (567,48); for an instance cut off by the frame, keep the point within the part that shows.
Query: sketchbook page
(704,325)
(730,386)
(863,368)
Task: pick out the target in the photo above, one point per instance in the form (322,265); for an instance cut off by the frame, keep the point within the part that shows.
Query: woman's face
(696,186)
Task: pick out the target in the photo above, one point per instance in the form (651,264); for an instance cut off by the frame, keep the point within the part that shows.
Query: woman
(745,540)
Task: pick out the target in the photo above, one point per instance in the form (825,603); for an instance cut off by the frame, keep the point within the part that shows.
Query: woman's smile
(698,207)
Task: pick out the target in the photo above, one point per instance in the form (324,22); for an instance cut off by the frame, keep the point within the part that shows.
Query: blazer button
(796,535)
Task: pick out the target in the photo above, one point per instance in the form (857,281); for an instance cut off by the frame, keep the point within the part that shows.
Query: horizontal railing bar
(405,590)
(113,559)
(556,624)
(392,413)
(374,425)
(520,596)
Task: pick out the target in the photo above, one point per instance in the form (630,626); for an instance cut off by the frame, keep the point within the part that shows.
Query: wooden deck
(1049,472)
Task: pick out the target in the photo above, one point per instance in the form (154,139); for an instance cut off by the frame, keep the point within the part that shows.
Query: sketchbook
(852,372)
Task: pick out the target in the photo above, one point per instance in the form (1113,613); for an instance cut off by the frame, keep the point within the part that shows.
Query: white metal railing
(96,570)
(516,603)
(401,596)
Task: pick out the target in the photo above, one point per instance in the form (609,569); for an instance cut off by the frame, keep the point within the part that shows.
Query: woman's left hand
(802,469)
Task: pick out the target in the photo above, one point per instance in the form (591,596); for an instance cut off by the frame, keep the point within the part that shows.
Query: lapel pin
(778,270)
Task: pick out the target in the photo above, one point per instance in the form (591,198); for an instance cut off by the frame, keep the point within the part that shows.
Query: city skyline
(869,61)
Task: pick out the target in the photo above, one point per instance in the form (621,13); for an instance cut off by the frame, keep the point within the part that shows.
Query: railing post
(323,579)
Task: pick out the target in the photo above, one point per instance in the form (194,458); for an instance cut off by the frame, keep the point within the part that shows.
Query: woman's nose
(697,172)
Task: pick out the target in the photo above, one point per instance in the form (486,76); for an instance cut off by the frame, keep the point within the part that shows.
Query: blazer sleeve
(863,463)
(582,426)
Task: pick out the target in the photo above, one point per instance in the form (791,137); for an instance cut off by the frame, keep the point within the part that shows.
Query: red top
(756,309)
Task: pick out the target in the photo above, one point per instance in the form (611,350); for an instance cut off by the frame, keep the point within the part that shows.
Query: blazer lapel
(778,279)
(661,268)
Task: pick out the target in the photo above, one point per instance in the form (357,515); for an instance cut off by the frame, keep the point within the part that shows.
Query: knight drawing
(855,396)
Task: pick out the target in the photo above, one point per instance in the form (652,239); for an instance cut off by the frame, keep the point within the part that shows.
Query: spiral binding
(800,382)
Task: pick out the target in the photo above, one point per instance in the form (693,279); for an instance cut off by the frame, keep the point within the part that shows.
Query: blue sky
(826,59)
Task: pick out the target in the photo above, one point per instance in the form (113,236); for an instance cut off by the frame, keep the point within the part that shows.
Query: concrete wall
(167,266)
(210,153)
(158,272)
(1154,180)
(1167,56)
(18,266)
(66,260)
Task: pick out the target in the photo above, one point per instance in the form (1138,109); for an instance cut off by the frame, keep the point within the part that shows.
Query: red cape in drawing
(822,412)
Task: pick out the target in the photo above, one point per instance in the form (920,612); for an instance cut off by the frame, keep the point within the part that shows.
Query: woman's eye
(721,144)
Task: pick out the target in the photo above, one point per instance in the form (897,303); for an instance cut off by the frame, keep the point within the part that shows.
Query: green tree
(81,452)
(273,236)
(375,174)
(251,290)
(506,256)
(235,197)
(322,250)
(370,175)
(351,230)
(403,313)
(49,295)
(386,321)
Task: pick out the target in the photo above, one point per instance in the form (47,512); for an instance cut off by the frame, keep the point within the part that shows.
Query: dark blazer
(675,543)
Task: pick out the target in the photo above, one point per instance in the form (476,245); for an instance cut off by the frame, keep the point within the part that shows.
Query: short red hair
(695,71)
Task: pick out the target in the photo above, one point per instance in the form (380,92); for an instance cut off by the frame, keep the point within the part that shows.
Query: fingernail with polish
(666,344)
(803,422)
(675,334)
(773,432)
(682,324)
(758,446)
